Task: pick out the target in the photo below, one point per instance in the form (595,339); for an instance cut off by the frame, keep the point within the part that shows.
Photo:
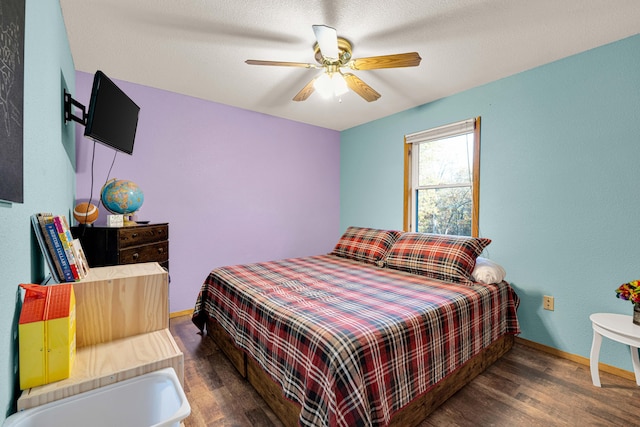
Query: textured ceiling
(198,47)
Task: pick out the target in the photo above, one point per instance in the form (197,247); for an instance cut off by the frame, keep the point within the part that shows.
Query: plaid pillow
(365,244)
(442,257)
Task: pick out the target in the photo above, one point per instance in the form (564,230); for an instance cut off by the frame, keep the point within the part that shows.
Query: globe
(121,197)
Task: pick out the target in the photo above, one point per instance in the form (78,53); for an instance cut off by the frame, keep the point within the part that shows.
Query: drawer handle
(134,235)
(160,250)
(135,256)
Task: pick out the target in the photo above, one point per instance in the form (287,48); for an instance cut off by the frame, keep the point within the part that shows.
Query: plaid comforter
(350,342)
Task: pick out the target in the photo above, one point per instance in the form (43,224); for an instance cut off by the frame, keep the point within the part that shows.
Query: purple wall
(235,186)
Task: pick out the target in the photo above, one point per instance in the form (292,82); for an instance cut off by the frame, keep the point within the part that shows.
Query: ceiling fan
(333,54)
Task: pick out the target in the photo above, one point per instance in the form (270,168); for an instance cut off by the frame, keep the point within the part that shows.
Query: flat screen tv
(112,118)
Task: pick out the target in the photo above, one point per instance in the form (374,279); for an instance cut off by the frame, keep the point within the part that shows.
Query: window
(442,179)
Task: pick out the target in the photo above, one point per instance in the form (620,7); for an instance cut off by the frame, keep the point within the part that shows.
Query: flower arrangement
(629,291)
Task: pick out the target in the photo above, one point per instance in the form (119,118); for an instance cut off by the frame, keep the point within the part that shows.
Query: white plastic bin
(150,400)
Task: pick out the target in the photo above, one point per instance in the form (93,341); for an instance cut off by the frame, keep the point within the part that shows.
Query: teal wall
(49,174)
(559,185)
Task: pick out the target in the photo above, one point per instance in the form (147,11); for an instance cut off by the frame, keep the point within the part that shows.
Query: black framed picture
(11,100)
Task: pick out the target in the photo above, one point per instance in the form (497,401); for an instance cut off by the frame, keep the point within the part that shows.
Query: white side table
(617,327)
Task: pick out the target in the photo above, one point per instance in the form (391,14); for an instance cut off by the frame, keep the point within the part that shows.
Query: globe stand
(128,220)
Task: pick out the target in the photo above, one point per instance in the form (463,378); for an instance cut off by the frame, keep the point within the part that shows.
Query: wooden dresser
(105,246)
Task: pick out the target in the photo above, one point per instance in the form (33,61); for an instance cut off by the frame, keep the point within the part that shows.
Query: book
(81,258)
(76,249)
(64,234)
(42,221)
(58,250)
(44,248)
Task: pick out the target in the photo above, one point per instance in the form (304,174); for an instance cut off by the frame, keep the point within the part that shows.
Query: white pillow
(487,271)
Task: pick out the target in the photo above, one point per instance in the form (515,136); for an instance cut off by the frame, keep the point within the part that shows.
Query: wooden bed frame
(411,415)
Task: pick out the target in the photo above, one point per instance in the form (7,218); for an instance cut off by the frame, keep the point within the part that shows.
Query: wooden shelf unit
(122,317)
(119,301)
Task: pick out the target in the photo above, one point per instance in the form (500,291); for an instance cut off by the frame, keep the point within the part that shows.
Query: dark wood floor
(526,387)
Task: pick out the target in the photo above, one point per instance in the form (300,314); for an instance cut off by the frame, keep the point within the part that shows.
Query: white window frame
(411,164)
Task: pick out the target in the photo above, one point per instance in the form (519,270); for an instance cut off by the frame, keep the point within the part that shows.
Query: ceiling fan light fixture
(339,84)
(328,85)
(323,85)
(333,55)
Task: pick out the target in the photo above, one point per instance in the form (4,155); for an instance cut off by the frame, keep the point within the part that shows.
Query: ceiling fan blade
(306,91)
(360,87)
(280,63)
(411,59)
(327,38)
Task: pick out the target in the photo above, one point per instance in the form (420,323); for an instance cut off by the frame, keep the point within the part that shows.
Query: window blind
(440,132)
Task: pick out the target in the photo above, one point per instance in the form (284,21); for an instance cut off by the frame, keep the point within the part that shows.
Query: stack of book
(64,255)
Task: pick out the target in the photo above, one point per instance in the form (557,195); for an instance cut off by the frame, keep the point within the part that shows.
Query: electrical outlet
(547,302)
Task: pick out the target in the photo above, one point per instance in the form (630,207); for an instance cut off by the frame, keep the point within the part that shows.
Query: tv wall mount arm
(69,103)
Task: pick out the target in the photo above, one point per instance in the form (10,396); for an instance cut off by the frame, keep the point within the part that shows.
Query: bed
(379,332)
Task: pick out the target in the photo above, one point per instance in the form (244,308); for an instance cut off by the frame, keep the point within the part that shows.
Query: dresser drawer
(135,236)
(158,252)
